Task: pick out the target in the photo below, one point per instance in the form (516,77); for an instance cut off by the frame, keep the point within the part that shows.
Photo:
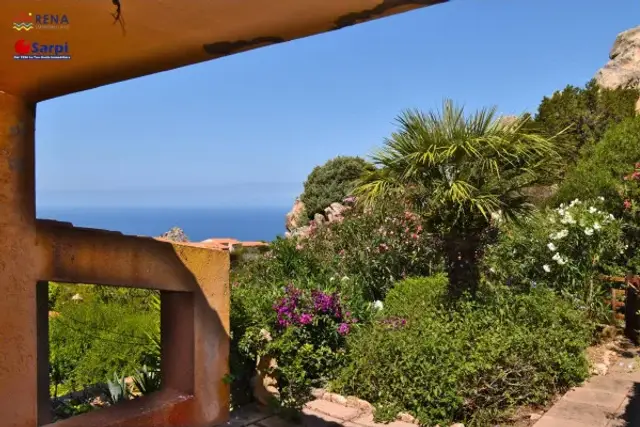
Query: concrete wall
(194,281)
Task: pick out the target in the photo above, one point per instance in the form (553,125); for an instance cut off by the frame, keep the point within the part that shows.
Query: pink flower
(305,319)
(343,329)
(341,253)
(627,204)
(414,236)
(382,247)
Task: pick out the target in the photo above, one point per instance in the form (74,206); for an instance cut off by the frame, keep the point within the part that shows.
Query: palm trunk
(462,253)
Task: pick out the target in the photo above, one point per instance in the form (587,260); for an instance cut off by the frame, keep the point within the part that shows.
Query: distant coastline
(199,223)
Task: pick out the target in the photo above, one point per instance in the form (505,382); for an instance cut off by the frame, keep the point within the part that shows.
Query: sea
(246,224)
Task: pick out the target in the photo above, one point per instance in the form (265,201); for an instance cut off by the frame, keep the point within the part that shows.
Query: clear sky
(247,129)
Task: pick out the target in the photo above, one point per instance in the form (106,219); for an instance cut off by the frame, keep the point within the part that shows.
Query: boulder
(335,212)
(295,217)
(318,219)
(265,387)
(176,234)
(623,68)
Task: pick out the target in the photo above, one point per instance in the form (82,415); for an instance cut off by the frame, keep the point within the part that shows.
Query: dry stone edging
(365,408)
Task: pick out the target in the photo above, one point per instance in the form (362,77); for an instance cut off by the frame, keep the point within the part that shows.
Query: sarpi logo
(44,21)
(37,51)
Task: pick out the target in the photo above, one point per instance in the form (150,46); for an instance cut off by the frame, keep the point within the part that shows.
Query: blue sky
(246,130)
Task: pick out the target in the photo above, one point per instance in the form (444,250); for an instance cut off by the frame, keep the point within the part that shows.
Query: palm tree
(458,172)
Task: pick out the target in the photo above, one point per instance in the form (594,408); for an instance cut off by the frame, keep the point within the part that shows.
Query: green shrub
(567,249)
(630,193)
(90,340)
(331,182)
(468,364)
(584,114)
(302,328)
(360,258)
(377,248)
(600,174)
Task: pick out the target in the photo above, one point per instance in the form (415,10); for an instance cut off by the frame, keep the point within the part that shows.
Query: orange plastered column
(18,265)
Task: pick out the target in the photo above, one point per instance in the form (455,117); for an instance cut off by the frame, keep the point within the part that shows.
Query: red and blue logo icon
(41,51)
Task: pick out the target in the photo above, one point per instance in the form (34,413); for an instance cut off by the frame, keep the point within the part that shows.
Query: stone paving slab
(341,412)
(548,421)
(612,384)
(602,399)
(367,421)
(588,414)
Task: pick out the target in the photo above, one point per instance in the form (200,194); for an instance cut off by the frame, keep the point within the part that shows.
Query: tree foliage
(331,182)
(601,173)
(583,115)
(457,171)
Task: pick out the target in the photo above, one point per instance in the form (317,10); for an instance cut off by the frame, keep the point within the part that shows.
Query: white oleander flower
(546,268)
(593,210)
(552,247)
(378,305)
(588,231)
(596,226)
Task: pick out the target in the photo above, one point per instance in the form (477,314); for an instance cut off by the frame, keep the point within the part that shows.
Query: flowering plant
(314,309)
(305,335)
(566,248)
(630,193)
(378,248)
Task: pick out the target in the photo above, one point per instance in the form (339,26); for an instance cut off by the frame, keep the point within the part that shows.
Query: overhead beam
(149,36)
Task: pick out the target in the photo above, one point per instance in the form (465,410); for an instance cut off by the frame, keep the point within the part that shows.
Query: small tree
(457,172)
(331,182)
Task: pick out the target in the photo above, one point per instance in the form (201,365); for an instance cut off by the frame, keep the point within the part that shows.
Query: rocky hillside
(623,68)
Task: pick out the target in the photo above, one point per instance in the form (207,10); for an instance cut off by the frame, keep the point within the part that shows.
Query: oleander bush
(471,363)
(566,249)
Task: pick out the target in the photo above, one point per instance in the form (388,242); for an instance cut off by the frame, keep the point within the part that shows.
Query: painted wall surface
(108,43)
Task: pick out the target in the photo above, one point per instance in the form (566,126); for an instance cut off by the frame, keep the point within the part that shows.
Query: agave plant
(117,389)
(147,380)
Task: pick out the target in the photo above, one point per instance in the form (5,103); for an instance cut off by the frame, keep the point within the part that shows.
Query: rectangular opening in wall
(103,347)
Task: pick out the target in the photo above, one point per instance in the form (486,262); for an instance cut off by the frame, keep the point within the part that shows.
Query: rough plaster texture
(153,35)
(195,301)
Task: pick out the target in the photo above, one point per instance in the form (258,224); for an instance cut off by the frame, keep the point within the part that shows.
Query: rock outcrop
(332,213)
(623,68)
(176,234)
(295,217)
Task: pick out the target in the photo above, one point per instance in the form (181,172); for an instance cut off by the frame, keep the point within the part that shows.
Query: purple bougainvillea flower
(305,319)
(343,329)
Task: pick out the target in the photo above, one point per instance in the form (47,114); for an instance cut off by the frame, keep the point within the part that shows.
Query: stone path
(317,413)
(611,400)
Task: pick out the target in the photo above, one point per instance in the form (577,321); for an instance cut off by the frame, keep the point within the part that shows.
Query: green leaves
(463,167)
(471,362)
(331,182)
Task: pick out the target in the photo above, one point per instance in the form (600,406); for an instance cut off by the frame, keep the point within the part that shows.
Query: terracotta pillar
(18,265)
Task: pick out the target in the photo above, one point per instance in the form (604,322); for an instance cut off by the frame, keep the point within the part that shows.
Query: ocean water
(248,224)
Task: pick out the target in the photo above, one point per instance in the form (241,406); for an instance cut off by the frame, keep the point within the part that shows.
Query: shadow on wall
(195,342)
